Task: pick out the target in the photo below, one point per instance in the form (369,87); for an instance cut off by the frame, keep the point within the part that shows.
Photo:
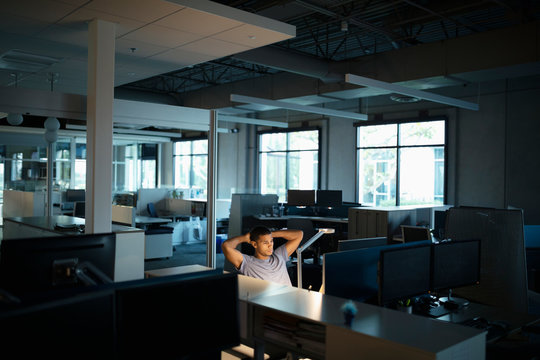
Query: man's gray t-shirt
(272,269)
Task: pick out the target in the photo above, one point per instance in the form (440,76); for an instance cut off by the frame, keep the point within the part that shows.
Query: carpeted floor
(185,254)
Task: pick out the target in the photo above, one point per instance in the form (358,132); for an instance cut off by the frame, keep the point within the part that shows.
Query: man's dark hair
(257,231)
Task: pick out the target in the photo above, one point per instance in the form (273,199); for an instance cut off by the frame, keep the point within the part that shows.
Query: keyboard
(495,330)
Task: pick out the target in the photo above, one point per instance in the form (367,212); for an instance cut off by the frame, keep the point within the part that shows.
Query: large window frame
(193,185)
(440,163)
(288,153)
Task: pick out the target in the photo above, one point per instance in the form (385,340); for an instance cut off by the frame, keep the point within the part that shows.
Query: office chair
(306,225)
(79,209)
(151,210)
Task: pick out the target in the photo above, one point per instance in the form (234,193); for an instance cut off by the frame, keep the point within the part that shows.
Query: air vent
(24,61)
(404,98)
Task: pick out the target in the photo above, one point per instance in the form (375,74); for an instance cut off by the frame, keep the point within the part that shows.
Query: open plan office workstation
(493,168)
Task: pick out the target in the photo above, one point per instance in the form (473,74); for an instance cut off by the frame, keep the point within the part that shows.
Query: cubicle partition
(503,265)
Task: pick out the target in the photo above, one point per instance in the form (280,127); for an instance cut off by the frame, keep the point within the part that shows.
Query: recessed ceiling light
(404,98)
(252,37)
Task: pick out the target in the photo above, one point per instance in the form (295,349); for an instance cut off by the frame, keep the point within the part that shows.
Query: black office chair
(79,209)
(306,225)
(151,209)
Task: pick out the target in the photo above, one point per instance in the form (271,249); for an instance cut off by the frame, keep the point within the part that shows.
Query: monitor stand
(451,300)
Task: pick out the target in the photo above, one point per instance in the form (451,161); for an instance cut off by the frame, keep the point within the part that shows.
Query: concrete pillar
(99,118)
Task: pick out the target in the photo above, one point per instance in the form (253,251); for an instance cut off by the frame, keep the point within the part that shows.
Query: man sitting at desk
(266,264)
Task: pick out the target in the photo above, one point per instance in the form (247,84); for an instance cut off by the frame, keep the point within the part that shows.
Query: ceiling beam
(245,120)
(398,89)
(302,108)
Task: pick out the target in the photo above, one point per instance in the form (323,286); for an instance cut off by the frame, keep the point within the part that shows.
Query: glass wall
(24,167)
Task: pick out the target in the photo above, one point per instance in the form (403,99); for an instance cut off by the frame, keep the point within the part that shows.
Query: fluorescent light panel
(245,120)
(303,108)
(398,89)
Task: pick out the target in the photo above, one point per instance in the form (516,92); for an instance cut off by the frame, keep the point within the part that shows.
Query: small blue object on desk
(349,311)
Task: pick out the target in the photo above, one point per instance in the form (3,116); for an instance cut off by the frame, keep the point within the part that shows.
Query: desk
(313,218)
(173,216)
(129,258)
(376,332)
(176,270)
(144,222)
(514,320)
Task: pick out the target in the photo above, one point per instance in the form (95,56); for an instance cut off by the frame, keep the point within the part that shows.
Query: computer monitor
(301,197)
(329,198)
(188,316)
(455,264)
(354,244)
(404,272)
(35,265)
(73,195)
(78,324)
(411,233)
(439,224)
(352,274)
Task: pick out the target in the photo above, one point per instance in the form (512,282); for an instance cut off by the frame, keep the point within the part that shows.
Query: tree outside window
(401,163)
(288,160)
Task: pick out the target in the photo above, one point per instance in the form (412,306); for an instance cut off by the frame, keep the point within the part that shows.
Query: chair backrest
(151,209)
(79,209)
(306,225)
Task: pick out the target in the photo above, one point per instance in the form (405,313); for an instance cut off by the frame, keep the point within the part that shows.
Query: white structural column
(99,125)
(211,193)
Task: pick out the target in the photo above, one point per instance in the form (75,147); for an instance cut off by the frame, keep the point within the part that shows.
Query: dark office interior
(467,258)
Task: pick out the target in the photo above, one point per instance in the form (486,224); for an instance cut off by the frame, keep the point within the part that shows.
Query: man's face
(264,245)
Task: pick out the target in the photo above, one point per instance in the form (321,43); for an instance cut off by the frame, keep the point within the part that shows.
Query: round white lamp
(14,119)
(51,125)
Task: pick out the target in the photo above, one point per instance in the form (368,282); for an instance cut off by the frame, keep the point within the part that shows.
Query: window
(288,160)
(401,163)
(191,166)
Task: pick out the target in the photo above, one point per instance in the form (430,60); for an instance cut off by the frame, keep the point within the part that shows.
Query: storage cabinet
(368,222)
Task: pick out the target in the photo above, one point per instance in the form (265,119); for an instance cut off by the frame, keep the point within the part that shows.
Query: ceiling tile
(183,57)
(198,22)
(142,49)
(214,47)
(145,11)
(20,25)
(82,17)
(63,34)
(251,36)
(162,36)
(42,10)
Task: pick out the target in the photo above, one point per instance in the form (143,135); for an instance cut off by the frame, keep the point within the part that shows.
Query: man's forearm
(233,242)
(288,234)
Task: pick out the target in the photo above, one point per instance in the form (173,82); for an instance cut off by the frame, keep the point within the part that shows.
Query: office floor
(184,254)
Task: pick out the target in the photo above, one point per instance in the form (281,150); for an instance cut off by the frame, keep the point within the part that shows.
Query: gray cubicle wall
(503,273)
(145,196)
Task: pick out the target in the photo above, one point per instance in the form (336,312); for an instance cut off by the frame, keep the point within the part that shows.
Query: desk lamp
(300,249)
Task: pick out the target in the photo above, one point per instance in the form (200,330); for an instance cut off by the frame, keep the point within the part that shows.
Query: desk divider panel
(123,215)
(503,276)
